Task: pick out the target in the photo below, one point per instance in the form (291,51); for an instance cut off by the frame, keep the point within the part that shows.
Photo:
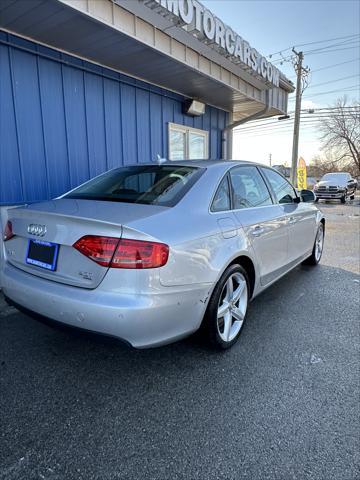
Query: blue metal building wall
(64,120)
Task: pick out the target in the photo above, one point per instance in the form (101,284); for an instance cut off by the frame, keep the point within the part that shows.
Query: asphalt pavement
(282,404)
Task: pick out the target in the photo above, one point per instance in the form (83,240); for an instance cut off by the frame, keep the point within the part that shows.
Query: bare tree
(341,133)
(321,164)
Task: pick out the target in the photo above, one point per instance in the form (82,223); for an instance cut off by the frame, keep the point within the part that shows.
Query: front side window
(283,190)
(221,200)
(187,143)
(249,188)
(162,185)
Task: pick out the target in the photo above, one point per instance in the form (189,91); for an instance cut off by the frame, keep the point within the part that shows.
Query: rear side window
(221,200)
(249,188)
(162,185)
(284,192)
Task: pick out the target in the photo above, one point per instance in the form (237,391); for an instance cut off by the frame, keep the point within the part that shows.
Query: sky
(273,26)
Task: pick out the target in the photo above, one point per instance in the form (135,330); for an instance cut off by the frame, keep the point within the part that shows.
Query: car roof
(205,163)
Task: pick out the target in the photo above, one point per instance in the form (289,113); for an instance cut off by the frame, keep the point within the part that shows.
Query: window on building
(283,190)
(249,189)
(187,143)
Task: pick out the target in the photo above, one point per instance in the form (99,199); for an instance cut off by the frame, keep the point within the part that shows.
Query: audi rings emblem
(35,229)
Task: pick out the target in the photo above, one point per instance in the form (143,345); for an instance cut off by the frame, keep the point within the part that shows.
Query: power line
(315,52)
(348,89)
(335,65)
(312,43)
(349,107)
(330,66)
(274,121)
(346,42)
(277,128)
(305,129)
(332,81)
(328,40)
(305,111)
(318,114)
(334,50)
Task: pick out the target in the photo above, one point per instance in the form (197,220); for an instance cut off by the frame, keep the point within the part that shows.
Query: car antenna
(160,160)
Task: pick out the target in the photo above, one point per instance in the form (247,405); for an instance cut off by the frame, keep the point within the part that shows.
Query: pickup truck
(339,185)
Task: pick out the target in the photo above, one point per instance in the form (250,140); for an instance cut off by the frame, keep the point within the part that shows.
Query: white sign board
(212,29)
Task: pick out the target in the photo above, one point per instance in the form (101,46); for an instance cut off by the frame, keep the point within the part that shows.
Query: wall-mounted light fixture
(194,108)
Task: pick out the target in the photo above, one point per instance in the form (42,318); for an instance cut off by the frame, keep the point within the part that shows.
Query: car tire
(317,251)
(316,200)
(226,311)
(343,199)
(352,197)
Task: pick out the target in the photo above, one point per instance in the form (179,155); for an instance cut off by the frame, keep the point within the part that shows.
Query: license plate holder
(42,254)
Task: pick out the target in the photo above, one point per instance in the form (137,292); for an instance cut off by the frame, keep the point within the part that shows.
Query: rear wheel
(316,254)
(226,311)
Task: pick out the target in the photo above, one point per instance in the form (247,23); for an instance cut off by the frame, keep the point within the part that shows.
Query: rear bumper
(54,323)
(142,320)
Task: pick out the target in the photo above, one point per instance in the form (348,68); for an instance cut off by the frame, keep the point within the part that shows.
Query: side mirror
(307,196)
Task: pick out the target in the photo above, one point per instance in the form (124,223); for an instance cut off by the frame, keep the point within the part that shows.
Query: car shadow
(60,341)
(88,404)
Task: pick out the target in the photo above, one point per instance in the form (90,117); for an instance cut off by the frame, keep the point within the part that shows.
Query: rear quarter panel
(199,250)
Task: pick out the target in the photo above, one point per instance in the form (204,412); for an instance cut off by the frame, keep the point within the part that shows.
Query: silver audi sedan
(154,252)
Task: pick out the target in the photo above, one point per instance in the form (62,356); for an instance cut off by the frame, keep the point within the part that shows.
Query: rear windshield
(162,185)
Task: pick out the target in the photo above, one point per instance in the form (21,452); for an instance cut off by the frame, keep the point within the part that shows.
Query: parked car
(339,185)
(151,253)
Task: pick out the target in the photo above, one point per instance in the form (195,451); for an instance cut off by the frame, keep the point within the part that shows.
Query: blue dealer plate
(42,254)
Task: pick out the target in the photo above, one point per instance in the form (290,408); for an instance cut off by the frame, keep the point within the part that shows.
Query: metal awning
(118,37)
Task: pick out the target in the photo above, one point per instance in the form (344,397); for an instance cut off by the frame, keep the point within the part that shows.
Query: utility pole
(301,75)
(270,157)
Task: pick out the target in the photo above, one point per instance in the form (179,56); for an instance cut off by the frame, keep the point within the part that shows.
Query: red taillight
(99,249)
(8,233)
(140,254)
(114,253)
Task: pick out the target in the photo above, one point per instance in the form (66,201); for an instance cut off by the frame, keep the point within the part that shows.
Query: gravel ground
(282,404)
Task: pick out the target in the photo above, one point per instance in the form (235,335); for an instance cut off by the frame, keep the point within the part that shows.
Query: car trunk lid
(63,222)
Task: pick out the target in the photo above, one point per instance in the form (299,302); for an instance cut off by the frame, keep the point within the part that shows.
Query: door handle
(257,231)
(292,220)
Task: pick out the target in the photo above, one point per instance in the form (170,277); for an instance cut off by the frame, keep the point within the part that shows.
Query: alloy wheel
(232,307)
(319,242)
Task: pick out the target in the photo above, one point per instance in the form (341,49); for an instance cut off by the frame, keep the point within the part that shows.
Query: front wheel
(316,254)
(343,199)
(226,311)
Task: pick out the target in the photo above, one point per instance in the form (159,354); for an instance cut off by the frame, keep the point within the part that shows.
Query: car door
(301,217)
(263,221)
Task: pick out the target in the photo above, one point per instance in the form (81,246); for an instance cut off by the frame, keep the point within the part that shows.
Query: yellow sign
(301,174)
